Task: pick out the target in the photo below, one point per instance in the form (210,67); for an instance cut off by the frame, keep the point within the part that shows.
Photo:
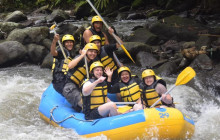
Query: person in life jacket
(76,75)
(106,55)
(94,91)
(127,89)
(60,65)
(95,29)
(152,88)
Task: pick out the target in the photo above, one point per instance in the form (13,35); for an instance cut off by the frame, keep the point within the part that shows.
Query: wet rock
(145,36)
(176,28)
(11,52)
(172,45)
(160,13)
(145,59)
(7,27)
(57,16)
(47,43)
(190,44)
(202,62)
(167,69)
(47,62)
(16,16)
(66,29)
(135,16)
(202,41)
(121,16)
(36,53)
(29,35)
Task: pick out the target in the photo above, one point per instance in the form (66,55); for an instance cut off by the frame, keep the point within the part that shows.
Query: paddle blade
(52,27)
(185,76)
(127,53)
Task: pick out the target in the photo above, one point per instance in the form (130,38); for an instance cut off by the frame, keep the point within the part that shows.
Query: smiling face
(98,43)
(125,76)
(91,54)
(98,72)
(97,26)
(149,80)
(69,45)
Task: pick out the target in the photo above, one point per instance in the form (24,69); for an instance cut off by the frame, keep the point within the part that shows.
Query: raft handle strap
(71,116)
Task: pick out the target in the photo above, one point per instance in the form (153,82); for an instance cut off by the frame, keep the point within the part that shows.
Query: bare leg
(137,107)
(108,109)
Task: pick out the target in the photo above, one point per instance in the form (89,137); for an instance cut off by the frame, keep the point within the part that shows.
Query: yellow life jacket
(61,65)
(129,92)
(149,94)
(97,97)
(106,60)
(77,75)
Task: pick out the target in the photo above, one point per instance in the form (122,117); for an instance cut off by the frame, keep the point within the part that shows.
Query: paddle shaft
(87,70)
(116,59)
(61,46)
(165,94)
(124,103)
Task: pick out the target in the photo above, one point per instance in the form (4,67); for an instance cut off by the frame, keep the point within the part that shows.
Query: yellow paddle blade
(127,53)
(185,76)
(52,27)
(123,109)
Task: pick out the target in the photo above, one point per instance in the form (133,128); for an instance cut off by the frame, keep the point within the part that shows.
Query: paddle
(87,69)
(122,46)
(53,30)
(125,103)
(184,77)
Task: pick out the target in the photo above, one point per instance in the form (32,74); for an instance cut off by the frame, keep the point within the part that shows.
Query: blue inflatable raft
(154,122)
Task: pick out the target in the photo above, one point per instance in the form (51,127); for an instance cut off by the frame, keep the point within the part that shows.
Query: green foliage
(53,3)
(78,4)
(137,3)
(102,4)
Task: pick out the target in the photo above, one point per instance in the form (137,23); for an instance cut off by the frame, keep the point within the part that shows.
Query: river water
(22,87)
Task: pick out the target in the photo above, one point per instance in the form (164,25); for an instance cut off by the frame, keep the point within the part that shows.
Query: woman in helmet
(152,88)
(76,75)
(128,88)
(59,67)
(95,102)
(106,55)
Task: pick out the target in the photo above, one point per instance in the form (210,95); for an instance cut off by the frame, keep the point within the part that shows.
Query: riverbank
(165,42)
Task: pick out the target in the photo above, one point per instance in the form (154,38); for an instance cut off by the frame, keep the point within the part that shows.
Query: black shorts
(92,115)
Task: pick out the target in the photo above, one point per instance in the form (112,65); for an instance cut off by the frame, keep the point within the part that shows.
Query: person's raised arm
(111,31)
(111,88)
(109,73)
(53,51)
(75,61)
(88,86)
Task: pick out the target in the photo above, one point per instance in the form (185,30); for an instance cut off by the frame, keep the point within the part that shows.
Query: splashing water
(22,87)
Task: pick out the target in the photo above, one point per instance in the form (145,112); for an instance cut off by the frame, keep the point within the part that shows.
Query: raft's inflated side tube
(154,122)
